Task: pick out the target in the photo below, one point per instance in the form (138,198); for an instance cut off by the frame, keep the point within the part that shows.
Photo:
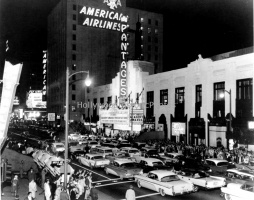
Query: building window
(149,39)
(149,30)
(149,21)
(141,19)
(102,100)
(164,97)
(74,77)
(73,56)
(73,97)
(73,87)
(73,37)
(74,27)
(156,40)
(179,95)
(150,104)
(109,100)
(73,66)
(198,103)
(74,17)
(74,7)
(74,47)
(218,91)
(244,89)
(156,57)
(156,23)
(149,47)
(156,31)
(156,49)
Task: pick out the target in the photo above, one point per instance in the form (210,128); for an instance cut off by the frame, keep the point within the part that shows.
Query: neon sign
(112,3)
(44,62)
(98,18)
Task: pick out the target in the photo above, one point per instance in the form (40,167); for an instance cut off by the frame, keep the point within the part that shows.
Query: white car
(236,191)
(201,179)
(104,151)
(58,147)
(74,136)
(165,182)
(93,160)
(239,176)
(131,151)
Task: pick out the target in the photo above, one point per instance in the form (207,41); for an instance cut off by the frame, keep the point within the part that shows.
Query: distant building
(192,104)
(86,35)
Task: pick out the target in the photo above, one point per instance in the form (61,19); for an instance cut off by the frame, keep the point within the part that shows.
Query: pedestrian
(33,188)
(31,175)
(94,193)
(88,182)
(43,175)
(47,191)
(21,169)
(15,185)
(64,195)
(130,194)
(29,196)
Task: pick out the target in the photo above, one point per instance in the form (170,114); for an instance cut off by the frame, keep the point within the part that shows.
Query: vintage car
(104,151)
(131,151)
(218,166)
(124,168)
(74,156)
(151,164)
(173,157)
(201,179)
(239,176)
(150,153)
(119,155)
(165,182)
(74,136)
(93,160)
(139,145)
(190,164)
(78,147)
(236,191)
(146,149)
(58,147)
(92,143)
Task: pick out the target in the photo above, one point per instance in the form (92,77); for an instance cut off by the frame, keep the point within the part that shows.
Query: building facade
(86,35)
(208,102)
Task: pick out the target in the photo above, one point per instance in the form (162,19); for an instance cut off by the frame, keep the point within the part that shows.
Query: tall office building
(86,35)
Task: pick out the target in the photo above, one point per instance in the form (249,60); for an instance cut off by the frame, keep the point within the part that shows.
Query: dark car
(150,164)
(191,164)
(74,155)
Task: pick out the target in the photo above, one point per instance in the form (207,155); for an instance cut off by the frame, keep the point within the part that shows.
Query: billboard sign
(137,117)
(51,117)
(178,128)
(114,116)
(34,99)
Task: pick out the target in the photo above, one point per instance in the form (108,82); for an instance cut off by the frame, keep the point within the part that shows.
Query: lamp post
(87,83)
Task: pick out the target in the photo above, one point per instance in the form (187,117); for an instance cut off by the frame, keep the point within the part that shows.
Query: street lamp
(87,83)
(230,119)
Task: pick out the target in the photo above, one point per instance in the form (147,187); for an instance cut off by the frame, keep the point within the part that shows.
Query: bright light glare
(88,81)
(222,95)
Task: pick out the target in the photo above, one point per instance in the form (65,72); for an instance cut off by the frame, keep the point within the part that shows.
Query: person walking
(33,188)
(88,182)
(31,175)
(47,190)
(130,194)
(15,185)
(21,169)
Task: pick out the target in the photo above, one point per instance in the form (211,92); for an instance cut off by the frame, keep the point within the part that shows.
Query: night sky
(191,27)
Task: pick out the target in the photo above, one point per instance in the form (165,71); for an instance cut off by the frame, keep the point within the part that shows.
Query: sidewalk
(23,189)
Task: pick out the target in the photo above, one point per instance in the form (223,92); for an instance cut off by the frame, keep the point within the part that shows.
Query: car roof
(162,173)
(151,159)
(122,161)
(216,160)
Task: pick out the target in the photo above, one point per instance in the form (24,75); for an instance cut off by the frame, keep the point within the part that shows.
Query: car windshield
(97,157)
(157,163)
(170,178)
(59,146)
(129,165)
(222,164)
(133,151)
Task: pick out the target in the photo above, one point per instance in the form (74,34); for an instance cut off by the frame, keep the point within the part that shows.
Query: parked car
(174,157)
(57,147)
(165,182)
(74,156)
(191,164)
(218,166)
(236,191)
(131,151)
(103,151)
(119,155)
(239,176)
(93,161)
(78,147)
(150,164)
(201,179)
(124,168)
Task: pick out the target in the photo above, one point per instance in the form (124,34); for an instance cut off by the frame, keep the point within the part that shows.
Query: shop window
(164,97)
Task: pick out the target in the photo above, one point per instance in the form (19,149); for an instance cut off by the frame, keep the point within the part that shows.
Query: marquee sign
(99,18)
(44,63)
(114,116)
